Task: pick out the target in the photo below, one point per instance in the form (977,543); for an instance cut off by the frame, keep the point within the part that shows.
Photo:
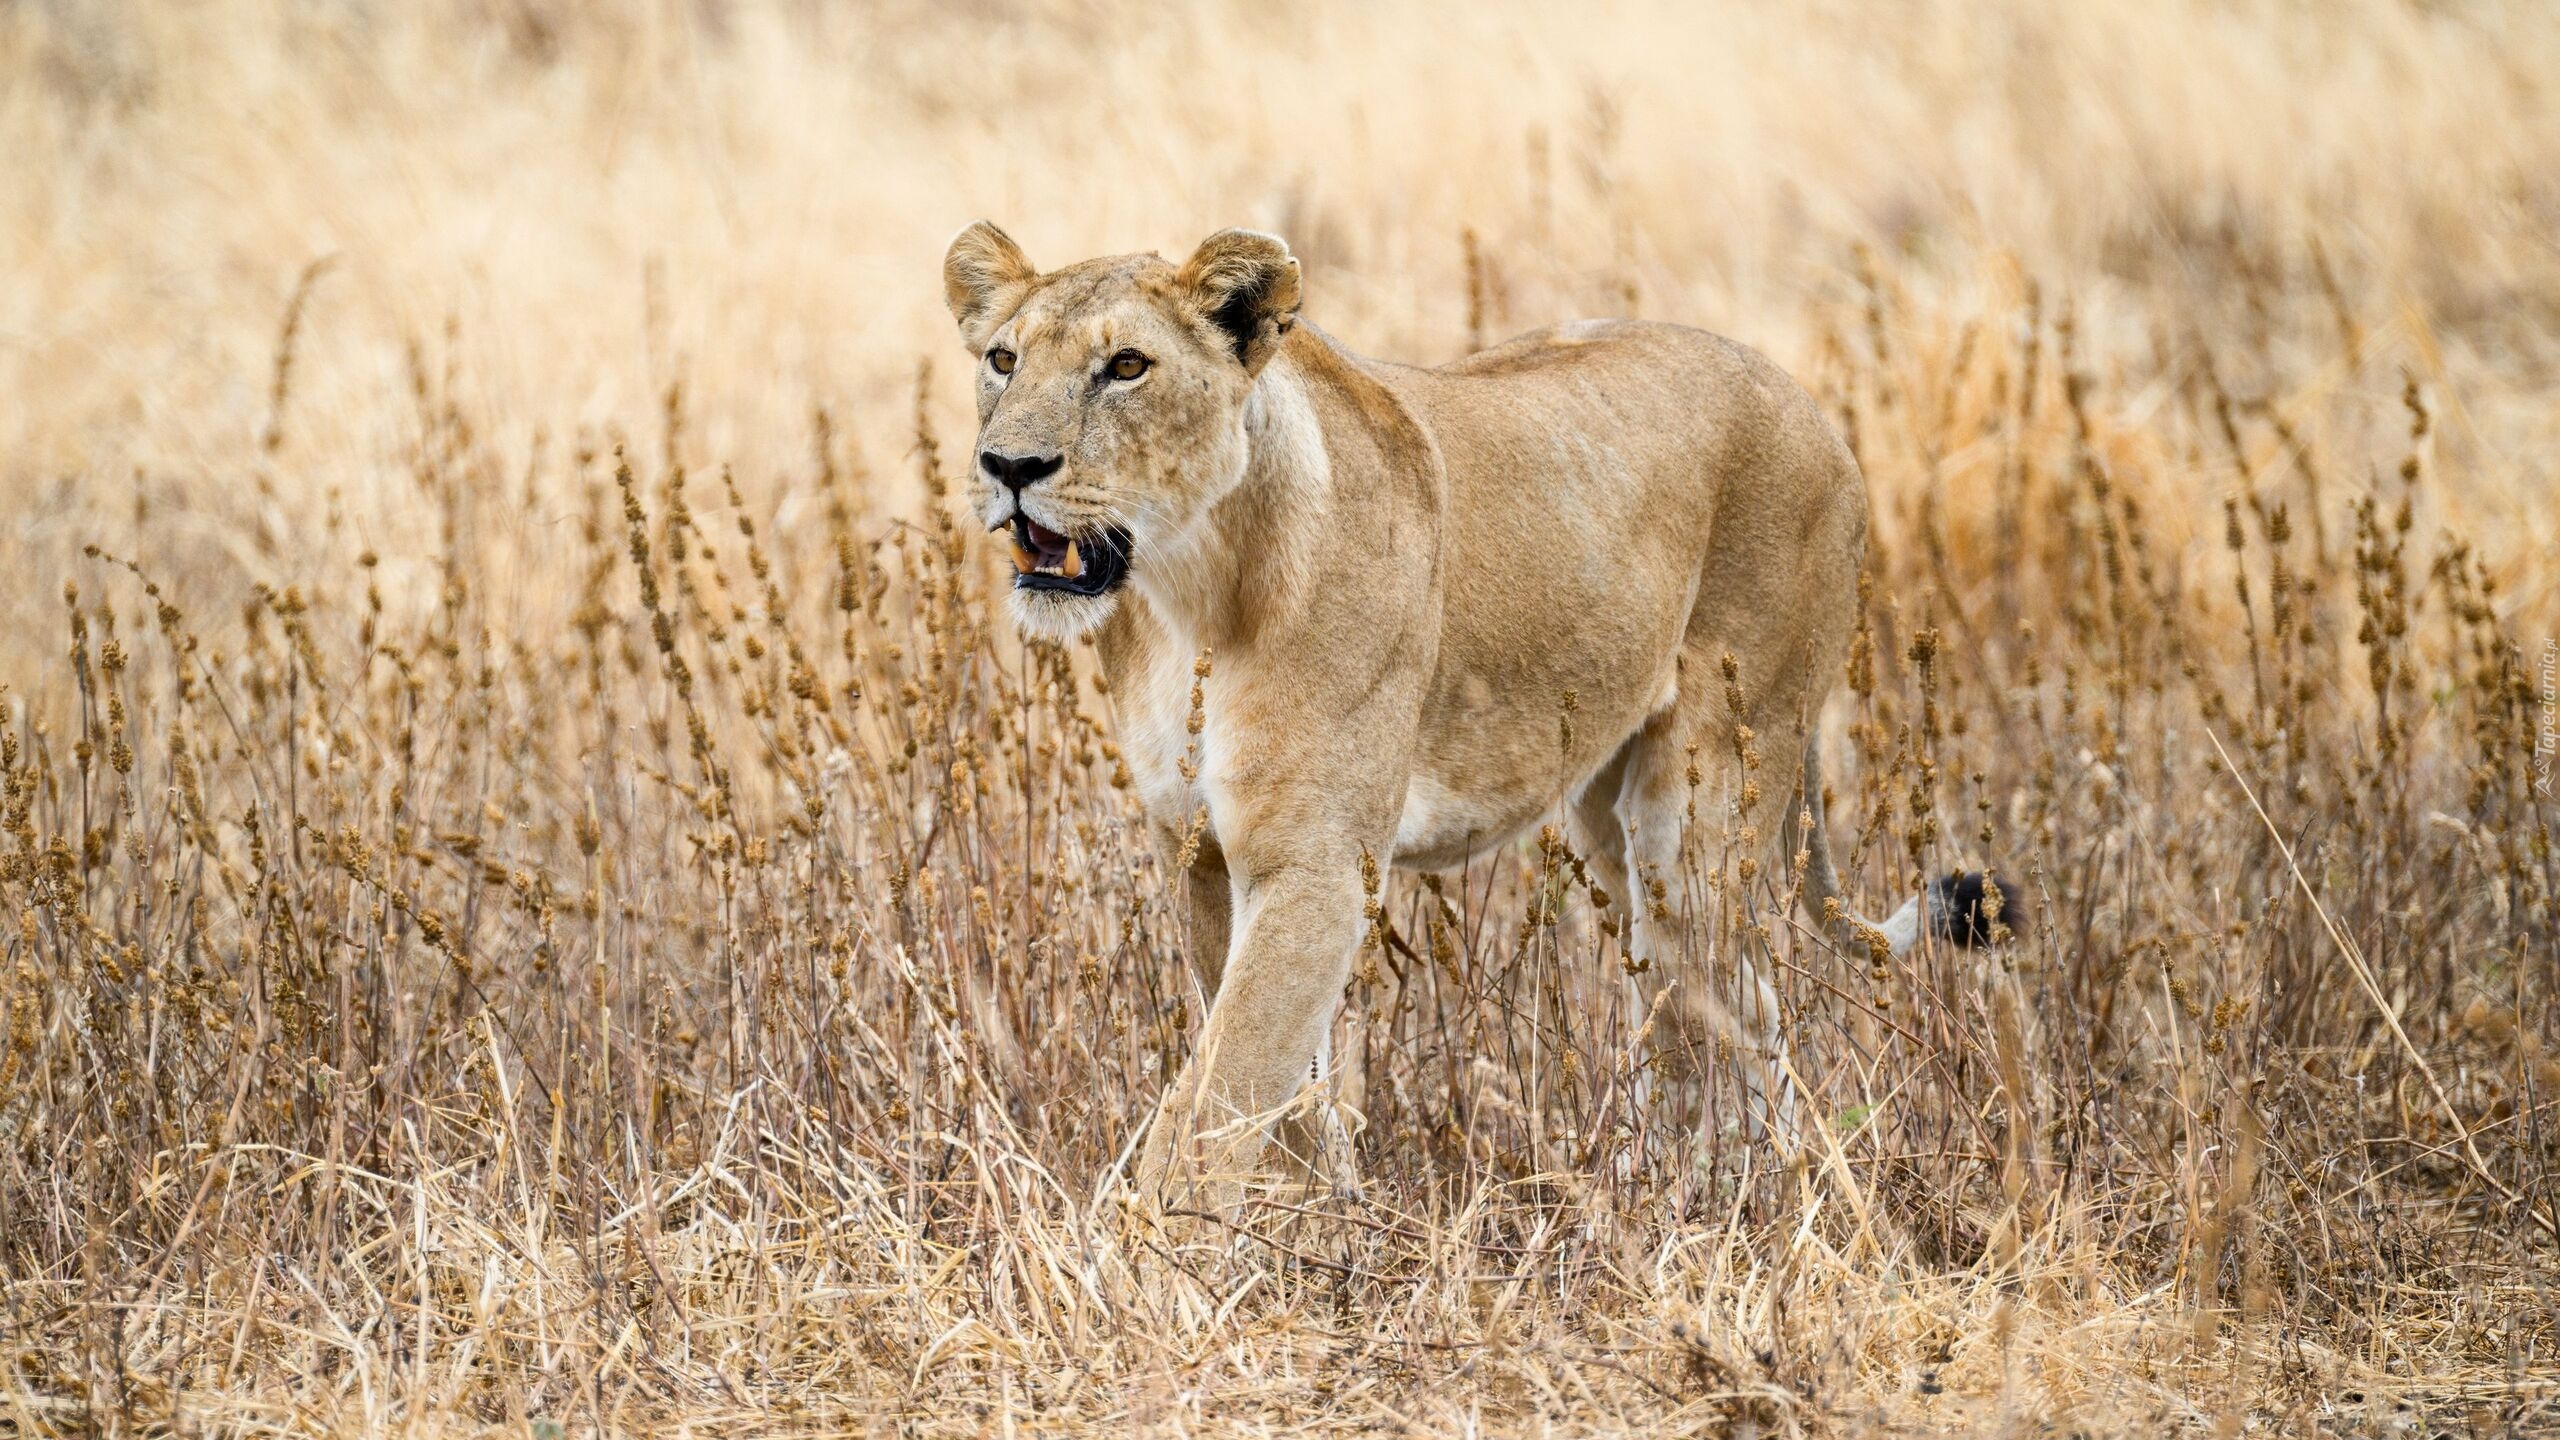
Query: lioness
(1407,578)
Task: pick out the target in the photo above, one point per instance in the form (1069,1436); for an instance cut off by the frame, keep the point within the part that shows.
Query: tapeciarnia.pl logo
(2546,734)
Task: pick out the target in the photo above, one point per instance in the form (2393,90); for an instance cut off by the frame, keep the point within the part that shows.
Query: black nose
(1016,471)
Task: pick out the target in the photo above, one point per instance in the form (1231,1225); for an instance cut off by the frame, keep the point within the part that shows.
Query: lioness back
(1620,496)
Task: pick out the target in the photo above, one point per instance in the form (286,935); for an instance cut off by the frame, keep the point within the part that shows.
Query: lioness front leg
(1297,921)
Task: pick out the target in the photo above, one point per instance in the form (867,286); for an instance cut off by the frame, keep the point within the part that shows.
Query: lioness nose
(1015,471)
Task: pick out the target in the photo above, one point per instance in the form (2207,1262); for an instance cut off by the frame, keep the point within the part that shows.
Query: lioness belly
(1484,775)
(1443,825)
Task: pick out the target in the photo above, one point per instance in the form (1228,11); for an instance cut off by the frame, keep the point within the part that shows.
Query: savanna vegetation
(540,894)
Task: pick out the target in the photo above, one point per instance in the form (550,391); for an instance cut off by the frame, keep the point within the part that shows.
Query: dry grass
(538,896)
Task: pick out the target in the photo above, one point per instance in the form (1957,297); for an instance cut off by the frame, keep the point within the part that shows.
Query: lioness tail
(1967,908)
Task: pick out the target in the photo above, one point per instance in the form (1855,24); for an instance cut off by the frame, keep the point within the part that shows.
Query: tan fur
(1402,574)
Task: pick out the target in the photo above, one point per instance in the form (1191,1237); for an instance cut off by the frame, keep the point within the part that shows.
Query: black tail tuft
(1960,909)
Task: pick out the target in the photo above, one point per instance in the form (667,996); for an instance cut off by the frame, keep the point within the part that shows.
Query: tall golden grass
(540,896)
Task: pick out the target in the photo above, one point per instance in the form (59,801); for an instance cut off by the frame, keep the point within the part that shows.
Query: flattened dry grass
(540,895)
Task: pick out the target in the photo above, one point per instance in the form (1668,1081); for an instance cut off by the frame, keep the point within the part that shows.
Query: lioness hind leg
(1193,854)
(1600,838)
(1668,940)
(1597,833)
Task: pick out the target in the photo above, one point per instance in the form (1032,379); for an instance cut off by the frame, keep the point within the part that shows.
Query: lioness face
(1111,400)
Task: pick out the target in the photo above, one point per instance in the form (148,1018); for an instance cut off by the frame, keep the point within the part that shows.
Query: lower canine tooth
(1024,560)
(1074,565)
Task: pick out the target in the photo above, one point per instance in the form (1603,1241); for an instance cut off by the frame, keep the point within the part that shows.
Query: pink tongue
(1044,537)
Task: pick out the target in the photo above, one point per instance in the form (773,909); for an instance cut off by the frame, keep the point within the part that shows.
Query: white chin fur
(1059,619)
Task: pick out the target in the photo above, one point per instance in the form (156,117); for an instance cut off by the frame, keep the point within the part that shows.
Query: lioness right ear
(983,276)
(1246,284)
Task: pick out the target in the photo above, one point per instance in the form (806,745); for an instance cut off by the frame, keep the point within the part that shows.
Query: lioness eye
(1001,361)
(1128,365)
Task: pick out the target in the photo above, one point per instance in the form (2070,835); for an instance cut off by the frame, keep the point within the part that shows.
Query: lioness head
(1111,403)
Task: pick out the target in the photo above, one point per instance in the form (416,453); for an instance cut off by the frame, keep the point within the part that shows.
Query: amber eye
(1001,361)
(1128,365)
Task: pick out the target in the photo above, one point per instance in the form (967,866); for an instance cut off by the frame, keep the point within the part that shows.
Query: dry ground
(536,897)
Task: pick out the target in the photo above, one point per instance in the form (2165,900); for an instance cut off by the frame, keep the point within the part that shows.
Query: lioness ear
(983,276)
(1246,284)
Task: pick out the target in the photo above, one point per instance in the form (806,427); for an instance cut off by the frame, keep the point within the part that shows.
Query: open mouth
(1091,564)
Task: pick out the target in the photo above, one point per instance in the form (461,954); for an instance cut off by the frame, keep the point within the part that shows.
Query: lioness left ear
(1245,283)
(984,275)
